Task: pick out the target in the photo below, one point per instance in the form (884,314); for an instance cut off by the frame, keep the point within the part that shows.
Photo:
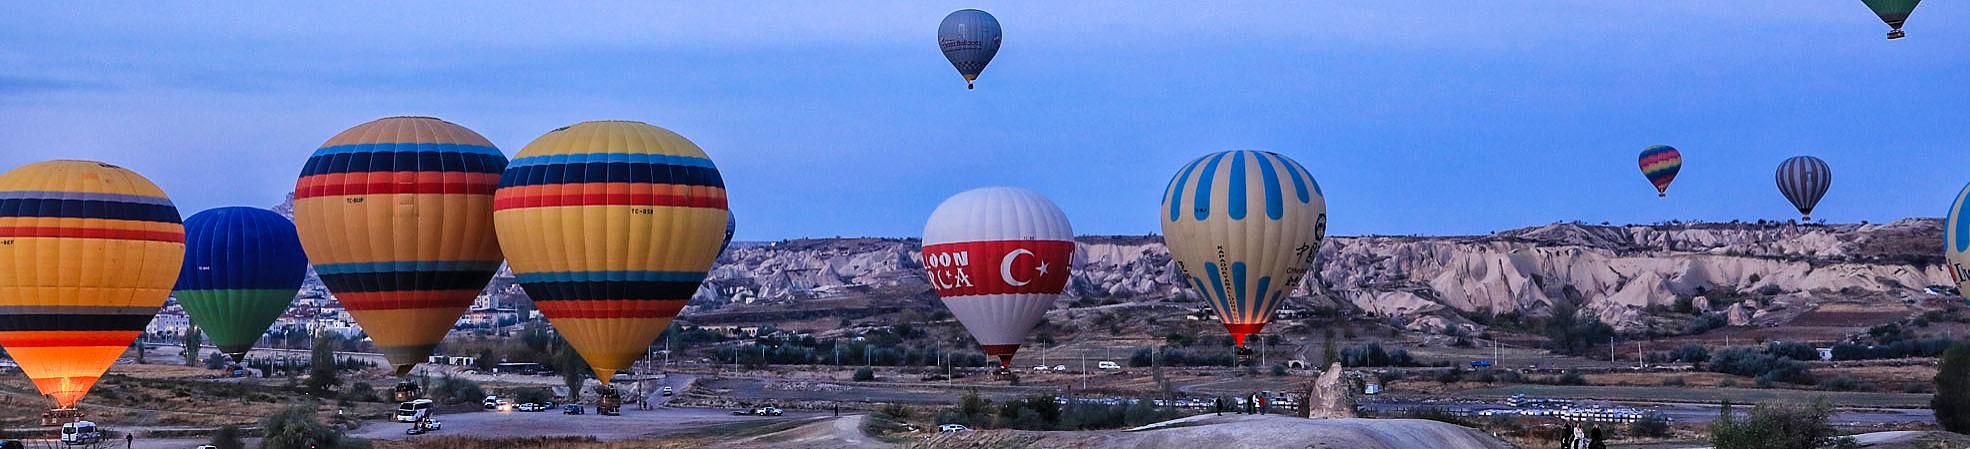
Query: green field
(1703,395)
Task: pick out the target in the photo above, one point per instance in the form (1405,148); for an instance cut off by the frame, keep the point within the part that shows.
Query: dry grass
(460,442)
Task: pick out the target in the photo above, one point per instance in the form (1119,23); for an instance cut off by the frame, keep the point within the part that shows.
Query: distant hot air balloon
(88,252)
(731,224)
(1244,227)
(1894,13)
(1956,240)
(1803,180)
(396,215)
(610,226)
(242,268)
(999,256)
(969,38)
(1660,164)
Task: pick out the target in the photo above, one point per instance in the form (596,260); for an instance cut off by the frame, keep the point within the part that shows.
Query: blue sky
(830,119)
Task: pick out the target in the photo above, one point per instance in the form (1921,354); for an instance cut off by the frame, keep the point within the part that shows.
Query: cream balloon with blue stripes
(1244,227)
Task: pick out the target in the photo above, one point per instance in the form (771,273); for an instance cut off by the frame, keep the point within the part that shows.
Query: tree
(194,337)
(227,437)
(864,374)
(574,370)
(321,371)
(296,428)
(1952,399)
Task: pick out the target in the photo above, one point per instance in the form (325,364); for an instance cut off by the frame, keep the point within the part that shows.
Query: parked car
(742,412)
(202,446)
(573,409)
(1039,367)
(422,427)
(952,428)
(1107,365)
(532,407)
(1060,367)
(668,391)
(490,402)
(768,411)
(1480,363)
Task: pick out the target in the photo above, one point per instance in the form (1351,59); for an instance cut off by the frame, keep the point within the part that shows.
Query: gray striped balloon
(969,38)
(1803,180)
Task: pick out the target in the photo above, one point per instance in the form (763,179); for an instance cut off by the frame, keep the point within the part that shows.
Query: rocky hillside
(1619,273)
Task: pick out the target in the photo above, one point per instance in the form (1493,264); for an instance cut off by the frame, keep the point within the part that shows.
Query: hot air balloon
(1894,13)
(1956,240)
(1243,227)
(1660,164)
(396,215)
(969,38)
(88,252)
(731,224)
(242,268)
(1803,180)
(999,257)
(610,226)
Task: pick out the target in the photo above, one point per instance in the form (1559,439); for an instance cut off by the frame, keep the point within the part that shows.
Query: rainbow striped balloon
(1660,164)
(610,227)
(396,215)
(88,252)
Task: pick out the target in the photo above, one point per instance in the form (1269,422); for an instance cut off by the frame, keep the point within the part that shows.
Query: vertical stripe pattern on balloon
(1244,227)
(1804,180)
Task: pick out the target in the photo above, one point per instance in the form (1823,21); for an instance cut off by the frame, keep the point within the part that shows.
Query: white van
(81,433)
(1107,365)
(414,410)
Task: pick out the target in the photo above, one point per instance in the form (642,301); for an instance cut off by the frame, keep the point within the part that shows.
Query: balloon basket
(407,391)
(1004,374)
(608,401)
(1245,354)
(1897,34)
(57,416)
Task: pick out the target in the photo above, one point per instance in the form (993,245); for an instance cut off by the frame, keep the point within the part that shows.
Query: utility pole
(1494,354)
(1639,363)
(1610,353)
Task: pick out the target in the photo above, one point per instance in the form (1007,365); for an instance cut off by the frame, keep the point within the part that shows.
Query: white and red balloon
(999,257)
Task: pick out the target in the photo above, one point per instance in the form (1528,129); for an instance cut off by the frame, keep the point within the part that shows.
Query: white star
(1043,268)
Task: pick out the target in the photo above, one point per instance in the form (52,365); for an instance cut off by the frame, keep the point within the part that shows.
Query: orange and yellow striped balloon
(396,216)
(88,252)
(610,227)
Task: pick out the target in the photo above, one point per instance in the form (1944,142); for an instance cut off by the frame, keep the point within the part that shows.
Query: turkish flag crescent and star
(998,267)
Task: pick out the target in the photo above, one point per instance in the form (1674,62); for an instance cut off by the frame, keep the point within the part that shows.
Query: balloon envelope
(1660,163)
(610,227)
(999,257)
(1956,239)
(242,268)
(88,252)
(396,215)
(969,38)
(1804,180)
(731,224)
(1244,227)
(1892,12)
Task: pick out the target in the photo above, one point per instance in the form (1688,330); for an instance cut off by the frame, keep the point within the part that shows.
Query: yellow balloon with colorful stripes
(1244,227)
(88,252)
(610,226)
(396,216)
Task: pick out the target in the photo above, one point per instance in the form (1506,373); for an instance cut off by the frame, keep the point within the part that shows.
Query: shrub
(897,411)
(1706,322)
(1677,381)
(865,374)
(1796,351)
(296,428)
(1774,426)
(457,390)
(1952,399)
(1765,367)
(1650,426)
(1372,354)
(360,392)
(228,437)
(1843,383)
(1278,369)
(1572,378)
(1690,354)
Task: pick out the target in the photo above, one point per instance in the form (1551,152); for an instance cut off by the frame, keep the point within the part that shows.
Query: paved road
(632,424)
(1688,413)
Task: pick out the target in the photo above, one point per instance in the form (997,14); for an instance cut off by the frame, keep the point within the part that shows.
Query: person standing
(129,441)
